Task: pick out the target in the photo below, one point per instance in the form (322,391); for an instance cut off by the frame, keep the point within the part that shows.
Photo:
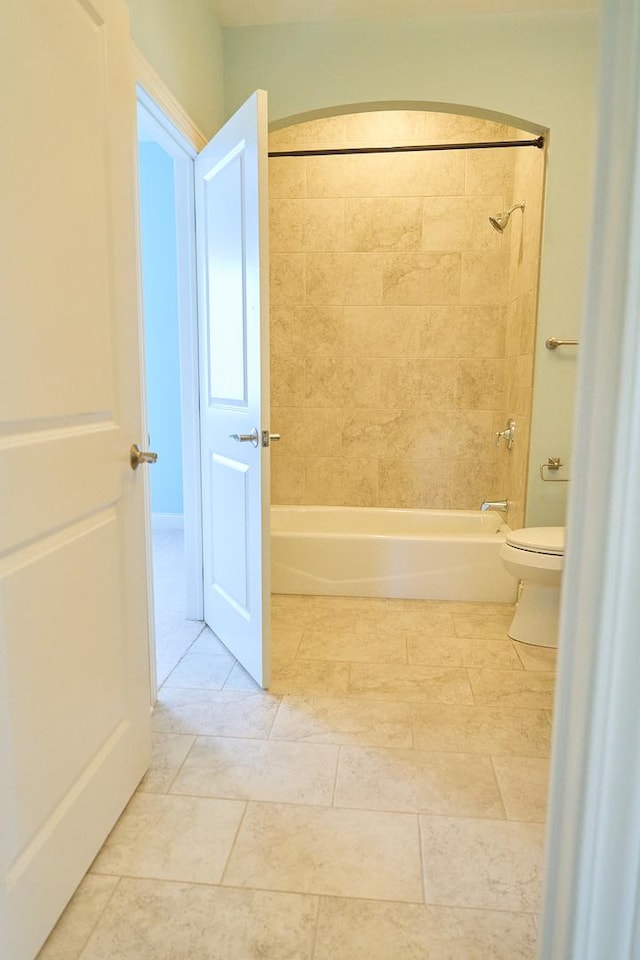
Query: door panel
(231,228)
(74,678)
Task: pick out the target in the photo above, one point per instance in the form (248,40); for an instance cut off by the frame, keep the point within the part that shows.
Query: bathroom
(403,332)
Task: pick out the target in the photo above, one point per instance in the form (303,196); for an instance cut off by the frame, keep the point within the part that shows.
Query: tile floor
(385,800)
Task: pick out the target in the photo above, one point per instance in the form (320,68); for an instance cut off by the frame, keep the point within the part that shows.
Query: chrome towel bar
(553,342)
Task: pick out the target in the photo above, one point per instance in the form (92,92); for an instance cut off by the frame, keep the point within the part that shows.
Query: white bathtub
(375,552)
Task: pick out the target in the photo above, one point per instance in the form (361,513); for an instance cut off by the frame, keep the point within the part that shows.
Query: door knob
(246,437)
(138,456)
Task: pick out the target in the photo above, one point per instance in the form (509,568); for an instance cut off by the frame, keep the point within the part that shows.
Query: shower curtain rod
(347,151)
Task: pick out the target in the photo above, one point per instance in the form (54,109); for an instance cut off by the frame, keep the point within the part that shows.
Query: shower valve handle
(508,434)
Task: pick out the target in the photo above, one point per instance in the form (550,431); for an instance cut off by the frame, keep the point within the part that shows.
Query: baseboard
(167,521)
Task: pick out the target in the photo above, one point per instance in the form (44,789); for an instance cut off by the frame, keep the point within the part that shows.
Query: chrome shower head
(500,220)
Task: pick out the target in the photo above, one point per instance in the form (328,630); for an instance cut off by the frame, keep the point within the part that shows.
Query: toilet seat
(547,541)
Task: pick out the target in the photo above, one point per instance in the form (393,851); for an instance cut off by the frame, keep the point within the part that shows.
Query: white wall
(161,325)
(540,69)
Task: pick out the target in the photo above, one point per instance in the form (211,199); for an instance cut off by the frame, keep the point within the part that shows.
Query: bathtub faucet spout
(502,505)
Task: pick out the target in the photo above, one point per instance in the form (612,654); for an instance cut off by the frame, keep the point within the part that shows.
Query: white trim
(159,93)
(163,131)
(593,860)
(167,521)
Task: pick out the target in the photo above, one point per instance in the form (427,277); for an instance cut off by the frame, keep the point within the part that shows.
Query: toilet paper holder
(553,464)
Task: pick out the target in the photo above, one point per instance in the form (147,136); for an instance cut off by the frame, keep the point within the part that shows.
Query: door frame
(181,139)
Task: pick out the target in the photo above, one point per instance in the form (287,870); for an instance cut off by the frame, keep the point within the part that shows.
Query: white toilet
(535,555)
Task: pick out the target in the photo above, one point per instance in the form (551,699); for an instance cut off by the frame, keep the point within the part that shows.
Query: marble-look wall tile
(381,128)
(287,178)
(287,479)
(340,279)
(341,483)
(452,127)
(342,383)
(481,384)
(484,277)
(460,223)
(402,304)
(423,384)
(382,331)
(406,175)
(306,431)
(325,130)
(415,484)
(418,278)
(460,331)
(286,278)
(391,223)
(490,173)
(287,381)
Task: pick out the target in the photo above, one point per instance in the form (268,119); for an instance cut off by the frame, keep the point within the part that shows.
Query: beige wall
(182,40)
(390,296)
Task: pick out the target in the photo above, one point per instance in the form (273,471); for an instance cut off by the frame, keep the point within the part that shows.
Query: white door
(231,231)
(74,677)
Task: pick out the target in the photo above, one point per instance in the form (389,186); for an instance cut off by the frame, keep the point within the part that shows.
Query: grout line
(314,939)
(85,943)
(300,893)
(500,790)
(179,770)
(233,844)
(335,778)
(423,875)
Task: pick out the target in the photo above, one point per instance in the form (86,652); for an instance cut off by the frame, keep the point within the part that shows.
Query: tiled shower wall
(520,323)
(391,295)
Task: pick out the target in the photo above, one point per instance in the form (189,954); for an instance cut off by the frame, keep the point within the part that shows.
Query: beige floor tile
(311,618)
(487,864)
(207,642)
(480,729)
(483,626)
(415,781)
(407,616)
(353,647)
(284,643)
(240,680)
(524,782)
(352,853)
(205,670)
(168,751)
(147,920)
(513,688)
(274,770)
(461,652)
(310,678)
(171,838)
(536,658)
(327,720)
(368,930)
(214,713)
(410,682)
(69,936)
